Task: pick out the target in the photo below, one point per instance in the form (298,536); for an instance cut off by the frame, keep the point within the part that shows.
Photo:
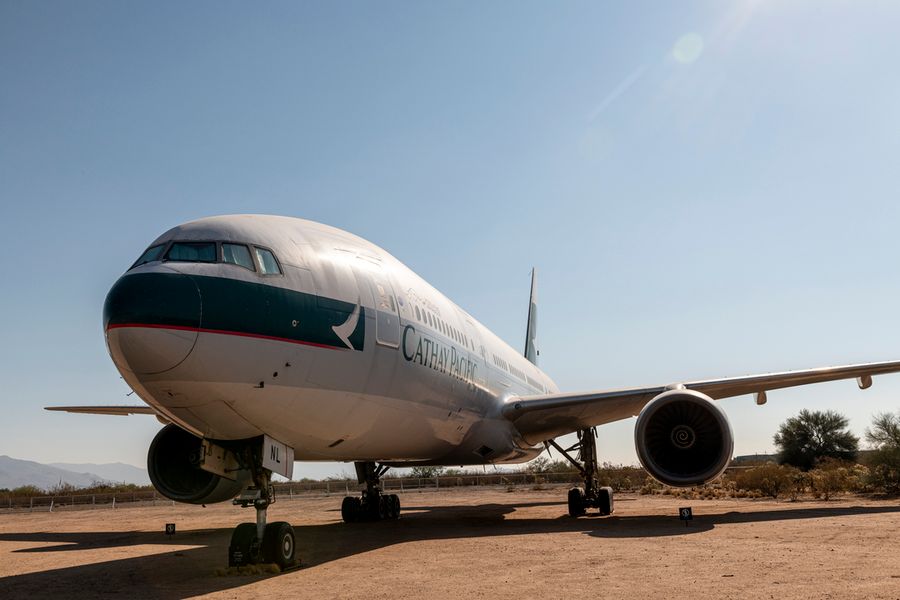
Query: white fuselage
(346,354)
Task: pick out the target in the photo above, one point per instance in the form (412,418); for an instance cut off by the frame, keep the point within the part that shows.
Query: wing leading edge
(540,418)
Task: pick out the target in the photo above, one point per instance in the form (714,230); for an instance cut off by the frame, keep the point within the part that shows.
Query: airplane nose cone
(151,321)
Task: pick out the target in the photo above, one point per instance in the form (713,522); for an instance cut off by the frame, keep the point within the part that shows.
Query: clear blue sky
(706,188)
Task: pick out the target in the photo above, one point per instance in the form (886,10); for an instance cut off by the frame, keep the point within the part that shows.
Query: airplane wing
(106,410)
(540,418)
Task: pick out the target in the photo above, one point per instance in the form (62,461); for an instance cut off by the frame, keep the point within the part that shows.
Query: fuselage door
(387,317)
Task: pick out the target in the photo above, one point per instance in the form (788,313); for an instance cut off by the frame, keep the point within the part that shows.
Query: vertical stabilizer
(531,351)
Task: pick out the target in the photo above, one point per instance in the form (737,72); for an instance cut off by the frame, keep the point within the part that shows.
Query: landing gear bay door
(278,457)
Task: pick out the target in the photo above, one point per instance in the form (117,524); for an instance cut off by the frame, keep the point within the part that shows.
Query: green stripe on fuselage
(230,305)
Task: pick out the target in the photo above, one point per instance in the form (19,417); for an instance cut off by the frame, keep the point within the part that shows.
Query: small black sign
(685,514)
(170,528)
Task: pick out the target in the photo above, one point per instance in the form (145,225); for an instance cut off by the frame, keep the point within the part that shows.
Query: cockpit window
(237,254)
(192,252)
(150,254)
(267,263)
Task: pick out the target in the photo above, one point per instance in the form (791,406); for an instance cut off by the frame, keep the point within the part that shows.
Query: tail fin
(531,351)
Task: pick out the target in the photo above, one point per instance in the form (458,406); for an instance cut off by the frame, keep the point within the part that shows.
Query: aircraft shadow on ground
(189,567)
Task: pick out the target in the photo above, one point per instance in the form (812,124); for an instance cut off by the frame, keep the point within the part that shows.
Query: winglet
(531,351)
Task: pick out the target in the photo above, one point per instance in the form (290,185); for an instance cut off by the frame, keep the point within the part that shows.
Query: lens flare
(688,48)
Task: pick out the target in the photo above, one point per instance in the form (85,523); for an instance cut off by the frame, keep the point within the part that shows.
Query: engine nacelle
(172,465)
(683,438)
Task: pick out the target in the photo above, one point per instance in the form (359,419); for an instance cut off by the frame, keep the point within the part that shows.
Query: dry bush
(622,478)
(832,476)
(651,486)
(884,470)
(768,479)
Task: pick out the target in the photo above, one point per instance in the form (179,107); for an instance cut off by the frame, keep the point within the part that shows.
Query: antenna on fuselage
(531,351)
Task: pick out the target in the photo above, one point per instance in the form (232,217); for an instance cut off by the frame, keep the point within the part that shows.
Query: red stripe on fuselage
(223,332)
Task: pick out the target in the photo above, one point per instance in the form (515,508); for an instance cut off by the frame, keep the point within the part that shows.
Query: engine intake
(683,438)
(171,464)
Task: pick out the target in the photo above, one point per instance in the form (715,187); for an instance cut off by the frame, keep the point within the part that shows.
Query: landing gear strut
(372,505)
(261,542)
(592,495)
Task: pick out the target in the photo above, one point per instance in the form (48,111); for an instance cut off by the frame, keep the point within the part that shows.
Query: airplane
(259,340)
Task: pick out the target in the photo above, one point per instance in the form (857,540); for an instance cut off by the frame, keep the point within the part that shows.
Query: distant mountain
(115,472)
(16,473)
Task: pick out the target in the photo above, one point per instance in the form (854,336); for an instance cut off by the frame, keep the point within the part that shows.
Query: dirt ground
(470,544)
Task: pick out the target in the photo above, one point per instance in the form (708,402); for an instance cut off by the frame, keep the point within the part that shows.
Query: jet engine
(683,438)
(173,465)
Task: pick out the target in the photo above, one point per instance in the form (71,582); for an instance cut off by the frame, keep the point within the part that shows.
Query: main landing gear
(373,505)
(592,495)
(261,542)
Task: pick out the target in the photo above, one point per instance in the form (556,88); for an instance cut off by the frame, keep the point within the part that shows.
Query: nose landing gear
(373,505)
(261,542)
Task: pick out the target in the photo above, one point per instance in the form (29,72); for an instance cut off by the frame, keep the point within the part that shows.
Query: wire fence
(283,491)
(621,480)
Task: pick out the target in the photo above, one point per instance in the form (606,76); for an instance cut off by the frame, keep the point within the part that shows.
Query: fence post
(114,502)
(401,484)
(93,501)
(327,488)
(436,482)
(31,505)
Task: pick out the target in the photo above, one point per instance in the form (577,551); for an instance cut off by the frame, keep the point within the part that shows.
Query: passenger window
(150,254)
(418,314)
(192,252)
(267,263)
(237,254)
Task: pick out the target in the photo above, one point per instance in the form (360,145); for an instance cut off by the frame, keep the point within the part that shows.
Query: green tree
(885,431)
(426,472)
(812,435)
(884,461)
(541,464)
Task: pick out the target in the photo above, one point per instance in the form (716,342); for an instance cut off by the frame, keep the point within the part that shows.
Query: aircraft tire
(576,502)
(350,509)
(383,509)
(242,539)
(279,544)
(605,500)
(395,501)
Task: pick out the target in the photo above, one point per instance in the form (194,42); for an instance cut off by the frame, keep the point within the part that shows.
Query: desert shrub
(650,486)
(833,476)
(622,478)
(884,470)
(768,479)
(27,490)
(884,460)
(426,472)
(541,464)
(62,489)
(799,483)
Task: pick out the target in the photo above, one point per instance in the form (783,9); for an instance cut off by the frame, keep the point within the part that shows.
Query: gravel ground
(470,544)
